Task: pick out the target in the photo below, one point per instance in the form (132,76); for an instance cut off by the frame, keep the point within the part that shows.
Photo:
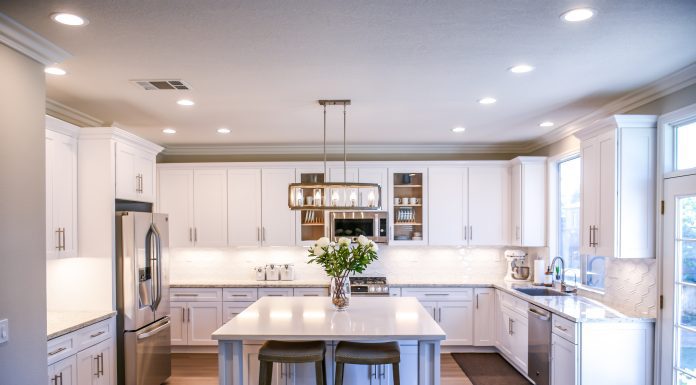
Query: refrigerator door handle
(155,331)
(157,259)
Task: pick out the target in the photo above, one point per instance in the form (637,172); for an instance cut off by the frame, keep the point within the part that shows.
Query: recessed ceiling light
(578,14)
(546,124)
(185,102)
(169,131)
(458,129)
(223,130)
(521,69)
(487,100)
(55,71)
(69,19)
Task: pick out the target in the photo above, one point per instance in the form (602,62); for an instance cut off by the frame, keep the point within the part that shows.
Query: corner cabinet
(61,188)
(618,187)
(528,201)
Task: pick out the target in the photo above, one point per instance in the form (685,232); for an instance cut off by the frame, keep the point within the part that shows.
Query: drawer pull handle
(97,334)
(53,353)
(310,295)
(240,295)
(275,295)
(186,295)
(561,328)
(436,294)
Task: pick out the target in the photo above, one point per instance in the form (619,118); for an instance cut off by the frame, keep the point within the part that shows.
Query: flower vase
(340,292)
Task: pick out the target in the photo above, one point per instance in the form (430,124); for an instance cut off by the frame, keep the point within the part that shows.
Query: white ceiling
(414,69)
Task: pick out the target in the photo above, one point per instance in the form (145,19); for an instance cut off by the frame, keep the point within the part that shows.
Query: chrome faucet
(561,276)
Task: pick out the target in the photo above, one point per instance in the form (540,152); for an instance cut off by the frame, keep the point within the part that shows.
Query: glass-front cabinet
(311,223)
(408,206)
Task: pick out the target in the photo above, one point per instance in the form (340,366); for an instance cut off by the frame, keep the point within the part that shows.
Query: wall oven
(351,224)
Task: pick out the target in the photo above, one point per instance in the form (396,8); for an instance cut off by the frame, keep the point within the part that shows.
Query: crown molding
(71,115)
(109,133)
(62,127)
(29,43)
(311,149)
(653,91)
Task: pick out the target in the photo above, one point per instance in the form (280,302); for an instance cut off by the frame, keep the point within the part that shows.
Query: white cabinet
(563,361)
(135,171)
(383,374)
(61,189)
(277,220)
(408,221)
(484,325)
(528,201)
(283,374)
(618,187)
(468,205)
(310,292)
(379,175)
(244,206)
(452,308)
(63,372)
(196,201)
(196,318)
(94,364)
(512,329)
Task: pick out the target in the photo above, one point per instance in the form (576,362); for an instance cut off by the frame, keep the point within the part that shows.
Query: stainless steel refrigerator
(142,280)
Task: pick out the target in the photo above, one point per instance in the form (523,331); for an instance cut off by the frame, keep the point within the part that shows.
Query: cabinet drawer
(195,294)
(231,310)
(513,303)
(240,294)
(61,347)
(439,294)
(275,292)
(93,334)
(310,292)
(564,328)
(394,292)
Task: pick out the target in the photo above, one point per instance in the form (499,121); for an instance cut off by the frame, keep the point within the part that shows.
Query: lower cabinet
(63,372)
(563,361)
(84,357)
(452,308)
(194,322)
(512,333)
(484,325)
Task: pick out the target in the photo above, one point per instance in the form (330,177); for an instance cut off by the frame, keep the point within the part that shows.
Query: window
(685,137)
(586,270)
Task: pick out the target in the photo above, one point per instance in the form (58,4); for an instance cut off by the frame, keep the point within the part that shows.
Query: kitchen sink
(539,292)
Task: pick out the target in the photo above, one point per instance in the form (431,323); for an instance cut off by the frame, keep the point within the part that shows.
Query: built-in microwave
(351,224)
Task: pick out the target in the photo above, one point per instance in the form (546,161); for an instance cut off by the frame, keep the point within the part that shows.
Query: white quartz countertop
(59,323)
(306,318)
(250,283)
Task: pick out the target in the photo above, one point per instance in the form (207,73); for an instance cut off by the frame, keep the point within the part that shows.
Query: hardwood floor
(201,369)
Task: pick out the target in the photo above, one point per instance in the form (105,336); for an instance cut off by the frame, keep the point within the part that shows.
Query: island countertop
(305,318)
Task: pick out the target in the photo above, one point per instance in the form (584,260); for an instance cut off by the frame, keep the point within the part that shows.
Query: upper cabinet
(196,201)
(244,206)
(618,187)
(61,188)
(277,220)
(528,202)
(468,205)
(135,171)
(408,206)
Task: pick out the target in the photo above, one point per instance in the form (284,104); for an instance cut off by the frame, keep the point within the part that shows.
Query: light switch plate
(4,331)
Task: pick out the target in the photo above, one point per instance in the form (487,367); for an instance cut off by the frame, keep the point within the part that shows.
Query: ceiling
(413,69)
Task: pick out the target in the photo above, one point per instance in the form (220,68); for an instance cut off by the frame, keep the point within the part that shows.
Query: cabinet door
(519,340)
(447,206)
(61,195)
(278,221)
(126,183)
(516,205)
(589,154)
(563,361)
(210,207)
(484,324)
(505,332)
(145,169)
(244,206)
(52,235)
(232,309)
(177,311)
(607,195)
(203,318)
(456,319)
(176,199)
(534,204)
(65,372)
(375,175)
(431,308)
(94,364)
(105,352)
(488,206)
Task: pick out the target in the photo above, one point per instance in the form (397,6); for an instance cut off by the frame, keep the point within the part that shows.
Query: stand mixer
(515,270)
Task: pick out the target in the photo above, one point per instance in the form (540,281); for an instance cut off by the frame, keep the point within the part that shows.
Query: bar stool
(357,353)
(291,352)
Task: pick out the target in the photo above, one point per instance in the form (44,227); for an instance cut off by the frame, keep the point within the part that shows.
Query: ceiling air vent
(154,85)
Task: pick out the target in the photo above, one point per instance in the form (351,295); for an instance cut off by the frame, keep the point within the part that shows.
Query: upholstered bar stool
(357,353)
(291,352)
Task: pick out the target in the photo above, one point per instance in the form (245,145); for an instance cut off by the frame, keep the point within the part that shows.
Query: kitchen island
(313,318)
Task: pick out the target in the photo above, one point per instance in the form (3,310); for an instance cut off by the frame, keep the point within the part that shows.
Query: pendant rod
(325,176)
(345,157)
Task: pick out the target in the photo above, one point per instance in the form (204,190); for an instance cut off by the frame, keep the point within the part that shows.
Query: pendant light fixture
(335,195)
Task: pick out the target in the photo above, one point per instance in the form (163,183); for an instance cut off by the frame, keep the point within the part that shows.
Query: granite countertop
(314,318)
(63,322)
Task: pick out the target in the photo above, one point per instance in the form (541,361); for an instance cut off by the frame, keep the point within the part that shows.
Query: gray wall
(22,219)
(668,103)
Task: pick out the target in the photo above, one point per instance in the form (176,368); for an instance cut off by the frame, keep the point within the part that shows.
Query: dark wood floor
(201,369)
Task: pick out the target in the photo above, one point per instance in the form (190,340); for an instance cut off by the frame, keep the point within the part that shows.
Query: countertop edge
(80,325)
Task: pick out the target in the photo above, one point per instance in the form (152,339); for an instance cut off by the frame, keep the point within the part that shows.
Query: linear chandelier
(335,195)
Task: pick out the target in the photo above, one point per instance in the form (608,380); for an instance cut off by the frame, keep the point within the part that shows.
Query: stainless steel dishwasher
(539,353)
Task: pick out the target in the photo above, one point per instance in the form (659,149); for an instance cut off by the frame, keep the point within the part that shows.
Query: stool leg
(319,372)
(339,373)
(395,373)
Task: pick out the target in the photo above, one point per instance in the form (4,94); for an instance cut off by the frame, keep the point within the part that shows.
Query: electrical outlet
(4,331)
